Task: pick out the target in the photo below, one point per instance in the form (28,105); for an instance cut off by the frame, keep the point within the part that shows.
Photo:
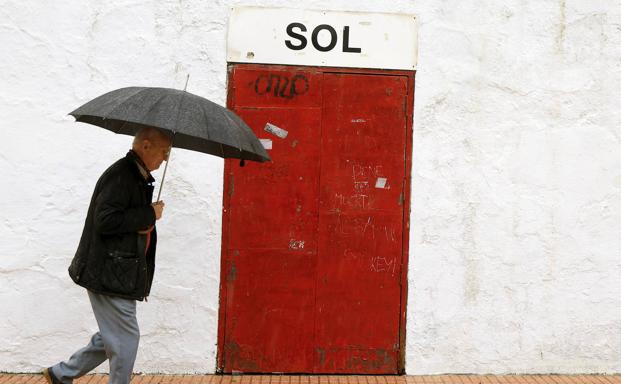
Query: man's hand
(158,208)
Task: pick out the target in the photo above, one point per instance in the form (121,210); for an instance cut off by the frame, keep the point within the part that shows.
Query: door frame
(228,187)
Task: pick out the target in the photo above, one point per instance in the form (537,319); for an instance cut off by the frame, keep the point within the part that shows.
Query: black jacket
(111,258)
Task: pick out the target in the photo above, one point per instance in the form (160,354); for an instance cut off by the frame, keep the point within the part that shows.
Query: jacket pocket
(120,272)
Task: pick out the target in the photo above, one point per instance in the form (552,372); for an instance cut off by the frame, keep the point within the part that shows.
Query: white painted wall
(516,211)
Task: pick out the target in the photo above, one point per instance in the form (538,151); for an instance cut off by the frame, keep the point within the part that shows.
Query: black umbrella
(194,122)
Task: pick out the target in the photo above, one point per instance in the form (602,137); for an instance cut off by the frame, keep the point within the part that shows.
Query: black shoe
(49,376)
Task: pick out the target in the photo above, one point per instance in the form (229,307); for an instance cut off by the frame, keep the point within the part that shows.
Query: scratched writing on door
(364,177)
(377,263)
(365,227)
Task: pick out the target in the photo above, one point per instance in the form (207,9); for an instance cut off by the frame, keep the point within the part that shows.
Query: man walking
(115,260)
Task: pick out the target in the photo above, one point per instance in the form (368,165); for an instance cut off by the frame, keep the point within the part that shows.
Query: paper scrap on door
(267,143)
(381,182)
(271,128)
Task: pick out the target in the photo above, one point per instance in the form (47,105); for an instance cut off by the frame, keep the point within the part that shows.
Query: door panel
(272,248)
(277,202)
(270,306)
(313,241)
(360,223)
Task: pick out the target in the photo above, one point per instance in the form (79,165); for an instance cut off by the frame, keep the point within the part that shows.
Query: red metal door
(361,217)
(313,243)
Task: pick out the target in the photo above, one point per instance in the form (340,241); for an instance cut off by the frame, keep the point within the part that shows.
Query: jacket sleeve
(113,214)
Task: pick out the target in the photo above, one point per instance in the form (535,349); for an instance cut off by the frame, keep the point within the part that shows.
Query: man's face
(154,152)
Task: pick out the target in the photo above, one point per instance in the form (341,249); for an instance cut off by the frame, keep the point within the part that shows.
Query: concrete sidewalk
(304,379)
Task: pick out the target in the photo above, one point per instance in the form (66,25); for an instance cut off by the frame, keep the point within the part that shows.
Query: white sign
(322,38)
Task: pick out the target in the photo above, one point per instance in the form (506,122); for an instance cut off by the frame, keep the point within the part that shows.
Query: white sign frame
(334,39)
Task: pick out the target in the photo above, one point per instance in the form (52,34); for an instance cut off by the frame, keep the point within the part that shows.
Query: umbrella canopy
(195,123)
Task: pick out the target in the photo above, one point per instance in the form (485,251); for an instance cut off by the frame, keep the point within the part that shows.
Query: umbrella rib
(119,104)
(236,132)
(159,100)
(205,117)
(179,109)
(151,108)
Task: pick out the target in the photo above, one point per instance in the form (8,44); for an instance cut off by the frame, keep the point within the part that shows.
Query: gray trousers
(117,341)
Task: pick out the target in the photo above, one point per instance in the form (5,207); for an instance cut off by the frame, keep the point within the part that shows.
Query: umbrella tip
(242,162)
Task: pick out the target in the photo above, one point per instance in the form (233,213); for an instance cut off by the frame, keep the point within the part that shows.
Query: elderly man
(115,259)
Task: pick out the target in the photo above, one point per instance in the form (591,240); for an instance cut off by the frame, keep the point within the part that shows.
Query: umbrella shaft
(163,177)
(165,168)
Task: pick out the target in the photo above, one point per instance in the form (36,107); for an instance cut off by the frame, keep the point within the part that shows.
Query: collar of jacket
(133,156)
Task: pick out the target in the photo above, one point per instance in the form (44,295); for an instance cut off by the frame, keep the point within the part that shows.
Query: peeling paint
(239,356)
(232,276)
(370,360)
(322,355)
(296,244)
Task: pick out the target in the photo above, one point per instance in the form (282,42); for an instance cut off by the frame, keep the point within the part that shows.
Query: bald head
(150,133)
(152,145)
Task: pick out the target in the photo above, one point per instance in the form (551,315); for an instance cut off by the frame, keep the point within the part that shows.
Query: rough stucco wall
(516,203)
(55,57)
(515,226)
